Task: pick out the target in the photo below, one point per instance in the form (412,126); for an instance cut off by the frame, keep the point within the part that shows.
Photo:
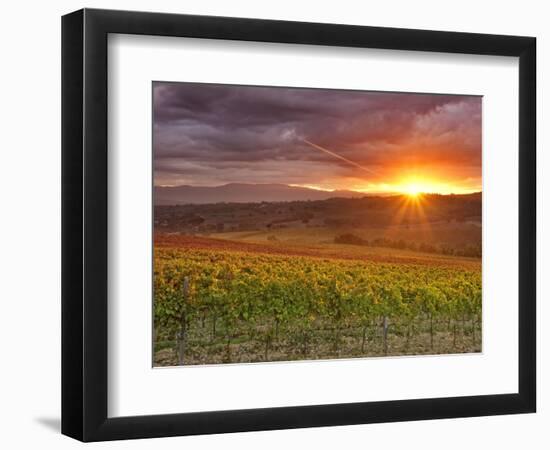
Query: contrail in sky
(318,147)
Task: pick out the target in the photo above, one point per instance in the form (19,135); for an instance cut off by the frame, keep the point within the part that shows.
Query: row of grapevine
(265,296)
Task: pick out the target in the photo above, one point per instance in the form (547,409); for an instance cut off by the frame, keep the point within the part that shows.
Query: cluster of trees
(471,250)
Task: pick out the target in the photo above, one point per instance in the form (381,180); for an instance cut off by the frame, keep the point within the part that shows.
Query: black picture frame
(84,224)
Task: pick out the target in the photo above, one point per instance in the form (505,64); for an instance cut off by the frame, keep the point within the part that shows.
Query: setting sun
(413,190)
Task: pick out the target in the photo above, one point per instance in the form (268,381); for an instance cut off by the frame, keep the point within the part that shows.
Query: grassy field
(321,240)
(308,235)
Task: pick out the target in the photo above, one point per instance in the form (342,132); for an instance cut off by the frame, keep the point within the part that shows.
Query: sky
(373,142)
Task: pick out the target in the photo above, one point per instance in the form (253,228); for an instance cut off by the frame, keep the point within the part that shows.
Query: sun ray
(410,213)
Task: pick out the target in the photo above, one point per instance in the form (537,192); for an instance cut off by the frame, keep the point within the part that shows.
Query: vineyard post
(385,334)
(473,321)
(454,333)
(155,337)
(364,338)
(409,332)
(266,350)
(183,324)
(214,319)
(431,330)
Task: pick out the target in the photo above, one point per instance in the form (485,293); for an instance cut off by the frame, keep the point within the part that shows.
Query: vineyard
(226,306)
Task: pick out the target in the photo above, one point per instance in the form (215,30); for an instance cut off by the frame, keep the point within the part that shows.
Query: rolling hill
(242,193)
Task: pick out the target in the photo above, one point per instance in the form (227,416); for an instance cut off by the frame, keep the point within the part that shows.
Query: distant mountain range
(242,193)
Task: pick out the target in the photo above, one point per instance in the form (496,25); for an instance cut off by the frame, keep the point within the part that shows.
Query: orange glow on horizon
(412,186)
(415,185)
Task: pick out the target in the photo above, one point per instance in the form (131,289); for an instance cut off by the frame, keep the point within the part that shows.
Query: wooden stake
(183,323)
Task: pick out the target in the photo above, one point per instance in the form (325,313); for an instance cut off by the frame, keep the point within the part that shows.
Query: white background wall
(30,226)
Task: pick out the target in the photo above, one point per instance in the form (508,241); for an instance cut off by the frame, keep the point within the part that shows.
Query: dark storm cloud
(205,130)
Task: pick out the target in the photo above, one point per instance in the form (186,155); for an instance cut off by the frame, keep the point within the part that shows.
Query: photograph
(314,224)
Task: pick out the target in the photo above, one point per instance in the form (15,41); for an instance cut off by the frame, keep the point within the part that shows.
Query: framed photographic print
(273,224)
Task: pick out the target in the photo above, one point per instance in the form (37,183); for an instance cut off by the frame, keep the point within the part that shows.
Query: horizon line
(365,193)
